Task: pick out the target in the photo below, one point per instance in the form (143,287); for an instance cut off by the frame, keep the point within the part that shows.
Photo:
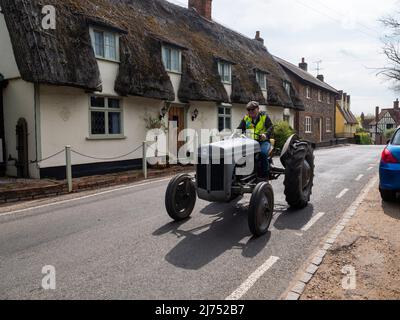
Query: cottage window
(328,124)
(389,126)
(105,44)
(319,95)
(224,118)
(172,59)
(308,125)
(286,85)
(225,71)
(262,79)
(105,116)
(308,92)
(328,98)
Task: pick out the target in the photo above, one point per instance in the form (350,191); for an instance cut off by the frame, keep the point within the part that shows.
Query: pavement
(120,243)
(363,264)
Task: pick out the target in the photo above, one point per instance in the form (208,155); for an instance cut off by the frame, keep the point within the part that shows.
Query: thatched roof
(65,56)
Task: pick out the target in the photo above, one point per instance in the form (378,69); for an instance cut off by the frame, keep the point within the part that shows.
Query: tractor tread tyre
(262,192)
(296,197)
(171,196)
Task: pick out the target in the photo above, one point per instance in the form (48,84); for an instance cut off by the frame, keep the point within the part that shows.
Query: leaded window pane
(110,46)
(97,102)
(99,43)
(113,103)
(114,123)
(98,122)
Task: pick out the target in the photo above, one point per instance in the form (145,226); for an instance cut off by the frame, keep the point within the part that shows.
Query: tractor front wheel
(180,197)
(261,209)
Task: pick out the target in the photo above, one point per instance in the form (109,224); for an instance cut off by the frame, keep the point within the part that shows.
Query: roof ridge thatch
(65,56)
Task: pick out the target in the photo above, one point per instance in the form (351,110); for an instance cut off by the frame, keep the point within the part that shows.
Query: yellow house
(346,122)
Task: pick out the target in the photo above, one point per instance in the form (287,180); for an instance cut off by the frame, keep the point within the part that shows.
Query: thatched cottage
(107,65)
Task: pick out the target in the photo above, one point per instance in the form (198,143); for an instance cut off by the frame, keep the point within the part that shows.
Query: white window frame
(225,116)
(171,50)
(319,95)
(262,77)
(225,72)
(308,125)
(328,124)
(308,92)
(93,30)
(106,110)
(328,99)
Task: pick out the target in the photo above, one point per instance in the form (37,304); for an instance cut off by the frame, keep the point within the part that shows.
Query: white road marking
(340,195)
(246,286)
(84,197)
(359,177)
(312,221)
(370,168)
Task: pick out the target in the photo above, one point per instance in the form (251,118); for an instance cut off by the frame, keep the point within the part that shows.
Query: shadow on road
(292,219)
(392,209)
(203,244)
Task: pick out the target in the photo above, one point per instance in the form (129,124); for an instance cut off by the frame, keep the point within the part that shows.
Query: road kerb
(326,244)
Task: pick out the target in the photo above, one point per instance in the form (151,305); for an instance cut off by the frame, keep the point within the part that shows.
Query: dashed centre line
(340,195)
(313,221)
(370,168)
(249,283)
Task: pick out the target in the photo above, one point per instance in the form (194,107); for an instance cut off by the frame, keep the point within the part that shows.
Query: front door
(318,130)
(177,115)
(22,149)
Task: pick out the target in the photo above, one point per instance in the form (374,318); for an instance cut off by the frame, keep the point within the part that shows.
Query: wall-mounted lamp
(163,112)
(195,114)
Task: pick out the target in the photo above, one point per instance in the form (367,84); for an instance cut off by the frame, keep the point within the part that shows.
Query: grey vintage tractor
(228,169)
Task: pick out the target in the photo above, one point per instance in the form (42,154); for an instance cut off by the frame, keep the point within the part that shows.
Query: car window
(396,138)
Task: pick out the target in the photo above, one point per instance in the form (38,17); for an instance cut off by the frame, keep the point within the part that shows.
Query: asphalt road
(122,245)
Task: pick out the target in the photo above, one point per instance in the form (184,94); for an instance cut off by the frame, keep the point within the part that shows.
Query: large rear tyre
(388,195)
(261,209)
(180,197)
(299,176)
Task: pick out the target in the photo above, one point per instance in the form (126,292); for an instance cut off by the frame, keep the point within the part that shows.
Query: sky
(345,35)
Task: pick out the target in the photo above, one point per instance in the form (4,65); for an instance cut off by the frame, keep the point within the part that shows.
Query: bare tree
(391,48)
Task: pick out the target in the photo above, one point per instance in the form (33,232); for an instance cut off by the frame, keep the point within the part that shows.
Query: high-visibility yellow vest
(254,132)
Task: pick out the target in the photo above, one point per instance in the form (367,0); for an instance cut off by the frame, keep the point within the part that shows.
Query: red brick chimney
(396,104)
(303,65)
(203,7)
(258,37)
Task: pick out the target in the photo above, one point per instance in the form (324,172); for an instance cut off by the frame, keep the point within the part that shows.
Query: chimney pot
(203,7)
(303,65)
(396,104)
(320,77)
(258,37)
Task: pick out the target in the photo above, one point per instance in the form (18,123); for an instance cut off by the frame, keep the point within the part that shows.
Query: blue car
(389,170)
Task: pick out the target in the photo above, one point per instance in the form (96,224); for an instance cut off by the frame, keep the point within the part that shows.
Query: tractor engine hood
(236,149)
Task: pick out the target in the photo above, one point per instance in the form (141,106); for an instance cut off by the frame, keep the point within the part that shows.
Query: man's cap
(252,105)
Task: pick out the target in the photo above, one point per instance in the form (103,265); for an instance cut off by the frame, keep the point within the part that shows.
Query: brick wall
(318,111)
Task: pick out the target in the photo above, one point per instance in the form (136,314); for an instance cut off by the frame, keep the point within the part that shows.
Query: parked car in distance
(389,170)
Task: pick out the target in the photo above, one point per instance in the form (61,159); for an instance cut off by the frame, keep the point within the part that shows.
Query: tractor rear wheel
(261,209)
(299,176)
(180,197)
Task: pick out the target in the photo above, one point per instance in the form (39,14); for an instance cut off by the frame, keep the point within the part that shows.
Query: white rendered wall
(19,102)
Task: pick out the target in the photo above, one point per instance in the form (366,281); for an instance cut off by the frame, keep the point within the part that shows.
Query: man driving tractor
(259,127)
